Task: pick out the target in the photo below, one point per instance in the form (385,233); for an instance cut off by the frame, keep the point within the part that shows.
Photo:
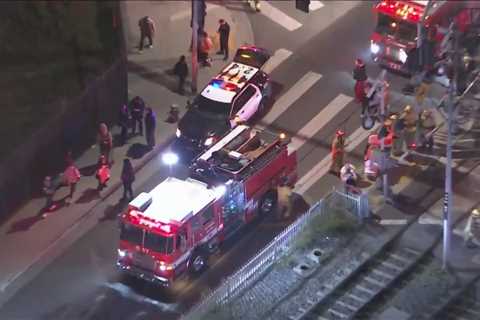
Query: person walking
(150,124)
(410,119)
(105,142)
(397,128)
(103,173)
(224,32)
(360,77)
(337,152)
(181,71)
(71,177)
(48,191)
(423,89)
(426,125)
(348,175)
(137,108)
(123,122)
(127,177)
(284,199)
(205,45)
(472,229)
(147,30)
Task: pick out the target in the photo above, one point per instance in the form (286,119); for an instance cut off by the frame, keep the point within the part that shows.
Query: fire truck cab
(175,227)
(397,23)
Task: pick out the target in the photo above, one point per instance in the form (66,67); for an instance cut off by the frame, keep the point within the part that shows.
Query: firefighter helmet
(476,213)
(393,117)
(359,62)
(408,108)
(340,133)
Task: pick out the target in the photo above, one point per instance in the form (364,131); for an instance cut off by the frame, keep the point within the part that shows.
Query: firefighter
(360,76)
(426,124)
(284,196)
(397,130)
(472,229)
(338,149)
(410,120)
(423,89)
(348,175)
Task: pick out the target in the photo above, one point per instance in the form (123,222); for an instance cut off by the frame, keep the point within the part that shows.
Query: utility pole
(194,45)
(383,116)
(448,197)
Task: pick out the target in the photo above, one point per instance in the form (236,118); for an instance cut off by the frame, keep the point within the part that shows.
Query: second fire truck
(398,22)
(173,229)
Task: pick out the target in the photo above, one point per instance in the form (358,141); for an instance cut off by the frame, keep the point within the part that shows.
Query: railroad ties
(347,301)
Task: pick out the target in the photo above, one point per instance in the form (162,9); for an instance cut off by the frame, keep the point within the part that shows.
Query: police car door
(245,104)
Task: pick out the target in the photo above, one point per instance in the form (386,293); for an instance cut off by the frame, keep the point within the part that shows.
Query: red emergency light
(401,10)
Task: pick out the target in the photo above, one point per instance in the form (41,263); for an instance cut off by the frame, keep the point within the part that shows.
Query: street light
(170,159)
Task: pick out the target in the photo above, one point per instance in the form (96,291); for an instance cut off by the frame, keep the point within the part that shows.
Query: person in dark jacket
(137,108)
(181,71)
(123,122)
(147,30)
(150,124)
(360,77)
(224,32)
(128,176)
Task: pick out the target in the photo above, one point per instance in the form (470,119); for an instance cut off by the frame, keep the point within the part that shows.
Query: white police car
(234,96)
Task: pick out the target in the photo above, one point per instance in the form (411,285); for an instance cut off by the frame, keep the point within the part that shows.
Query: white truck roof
(174,200)
(228,82)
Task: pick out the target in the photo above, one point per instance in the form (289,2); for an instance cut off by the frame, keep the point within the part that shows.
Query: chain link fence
(234,285)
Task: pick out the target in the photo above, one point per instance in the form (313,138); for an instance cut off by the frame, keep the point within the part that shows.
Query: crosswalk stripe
(278,57)
(279,17)
(186,13)
(315,5)
(289,97)
(393,222)
(320,120)
(321,168)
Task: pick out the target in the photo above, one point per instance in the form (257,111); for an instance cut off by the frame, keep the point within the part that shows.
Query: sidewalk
(36,242)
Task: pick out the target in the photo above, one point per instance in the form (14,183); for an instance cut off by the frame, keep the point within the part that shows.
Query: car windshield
(158,243)
(401,30)
(131,233)
(146,239)
(212,107)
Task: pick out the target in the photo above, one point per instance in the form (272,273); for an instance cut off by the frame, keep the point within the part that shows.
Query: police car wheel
(198,262)
(268,203)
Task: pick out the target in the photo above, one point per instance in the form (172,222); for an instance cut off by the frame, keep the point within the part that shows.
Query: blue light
(217,83)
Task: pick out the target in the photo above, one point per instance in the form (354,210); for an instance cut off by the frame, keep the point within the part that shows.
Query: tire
(268,203)
(198,262)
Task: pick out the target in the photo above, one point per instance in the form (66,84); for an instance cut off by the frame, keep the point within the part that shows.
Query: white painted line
(279,17)
(278,57)
(321,168)
(320,120)
(188,12)
(393,222)
(315,5)
(289,97)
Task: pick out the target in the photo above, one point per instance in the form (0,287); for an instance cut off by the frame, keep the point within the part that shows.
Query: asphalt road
(84,284)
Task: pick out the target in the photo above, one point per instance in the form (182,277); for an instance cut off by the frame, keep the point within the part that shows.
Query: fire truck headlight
(121,253)
(402,55)
(374,48)
(178,133)
(208,142)
(164,266)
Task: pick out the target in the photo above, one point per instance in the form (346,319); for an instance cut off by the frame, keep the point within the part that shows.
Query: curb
(44,258)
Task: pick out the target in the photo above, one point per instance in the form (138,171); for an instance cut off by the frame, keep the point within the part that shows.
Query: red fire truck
(395,33)
(175,227)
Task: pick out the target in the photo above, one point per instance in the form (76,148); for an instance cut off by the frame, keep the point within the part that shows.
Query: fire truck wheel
(198,262)
(268,202)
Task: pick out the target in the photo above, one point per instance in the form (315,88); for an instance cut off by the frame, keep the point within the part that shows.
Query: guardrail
(277,248)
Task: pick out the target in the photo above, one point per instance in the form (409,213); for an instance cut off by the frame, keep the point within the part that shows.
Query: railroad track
(465,307)
(349,300)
